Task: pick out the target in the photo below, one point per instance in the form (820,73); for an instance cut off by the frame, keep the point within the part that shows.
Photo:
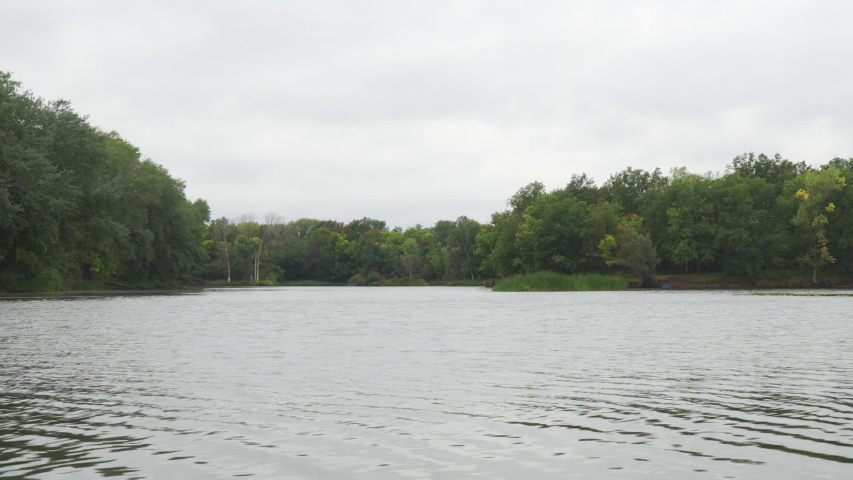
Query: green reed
(558,282)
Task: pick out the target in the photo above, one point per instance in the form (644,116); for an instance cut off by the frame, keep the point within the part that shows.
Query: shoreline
(662,282)
(716,282)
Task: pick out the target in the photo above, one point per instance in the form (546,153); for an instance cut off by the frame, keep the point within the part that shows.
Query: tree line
(361,251)
(79,206)
(763,215)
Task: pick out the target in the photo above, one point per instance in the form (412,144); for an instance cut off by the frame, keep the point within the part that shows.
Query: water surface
(398,382)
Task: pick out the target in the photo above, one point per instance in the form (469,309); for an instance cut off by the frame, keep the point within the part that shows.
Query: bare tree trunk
(258,265)
(814,275)
(228,263)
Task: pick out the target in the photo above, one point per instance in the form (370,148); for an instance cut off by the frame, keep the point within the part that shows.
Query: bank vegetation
(81,208)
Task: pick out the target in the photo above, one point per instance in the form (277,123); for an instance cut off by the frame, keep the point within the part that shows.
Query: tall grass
(557,282)
(239,283)
(270,283)
(470,283)
(401,282)
(309,283)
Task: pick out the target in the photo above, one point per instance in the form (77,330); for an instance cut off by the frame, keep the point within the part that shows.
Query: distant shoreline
(691,281)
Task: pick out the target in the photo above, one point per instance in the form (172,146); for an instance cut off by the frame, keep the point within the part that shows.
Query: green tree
(582,187)
(498,245)
(690,221)
(525,197)
(555,234)
(775,171)
(748,234)
(222,233)
(411,256)
(355,228)
(462,260)
(628,187)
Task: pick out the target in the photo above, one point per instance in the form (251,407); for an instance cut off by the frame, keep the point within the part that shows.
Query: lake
(396,382)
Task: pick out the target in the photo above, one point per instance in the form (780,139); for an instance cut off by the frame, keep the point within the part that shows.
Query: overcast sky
(415,111)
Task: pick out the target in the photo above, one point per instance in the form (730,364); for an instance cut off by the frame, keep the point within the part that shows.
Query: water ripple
(424,383)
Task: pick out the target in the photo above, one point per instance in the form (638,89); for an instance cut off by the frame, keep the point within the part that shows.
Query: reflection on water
(425,383)
(42,436)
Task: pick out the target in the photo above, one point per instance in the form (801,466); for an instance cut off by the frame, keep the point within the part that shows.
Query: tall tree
(222,232)
(628,187)
(814,187)
(461,246)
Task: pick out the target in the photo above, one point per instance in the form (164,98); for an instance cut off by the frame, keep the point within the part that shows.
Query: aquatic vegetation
(558,282)
(471,283)
(401,282)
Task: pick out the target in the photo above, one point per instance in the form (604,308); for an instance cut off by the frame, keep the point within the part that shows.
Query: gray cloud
(418,111)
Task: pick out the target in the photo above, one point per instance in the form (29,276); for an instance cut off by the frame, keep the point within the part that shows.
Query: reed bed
(558,282)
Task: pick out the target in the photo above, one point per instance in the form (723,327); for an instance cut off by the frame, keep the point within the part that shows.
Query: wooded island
(80,209)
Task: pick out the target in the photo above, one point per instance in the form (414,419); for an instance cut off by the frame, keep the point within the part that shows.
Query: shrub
(373,277)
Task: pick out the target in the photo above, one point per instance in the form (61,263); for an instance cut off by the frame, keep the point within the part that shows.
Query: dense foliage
(79,206)
(361,252)
(765,214)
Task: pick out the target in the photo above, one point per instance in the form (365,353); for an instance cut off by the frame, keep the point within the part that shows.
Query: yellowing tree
(634,250)
(814,188)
